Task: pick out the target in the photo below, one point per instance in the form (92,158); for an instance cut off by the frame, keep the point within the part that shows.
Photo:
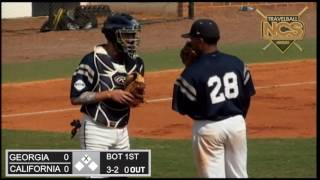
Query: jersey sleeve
(140,65)
(247,82)
(84,77)
(184,95)
(249,90)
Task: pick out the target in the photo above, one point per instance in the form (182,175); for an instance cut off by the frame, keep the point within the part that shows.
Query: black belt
(112,124)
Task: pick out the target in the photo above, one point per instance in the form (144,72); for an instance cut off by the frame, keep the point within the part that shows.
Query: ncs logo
(282,30)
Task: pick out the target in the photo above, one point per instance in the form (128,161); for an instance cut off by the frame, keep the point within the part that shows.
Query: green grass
(253,53)
(282,158)
(166,59)
(38,70)
(267,158)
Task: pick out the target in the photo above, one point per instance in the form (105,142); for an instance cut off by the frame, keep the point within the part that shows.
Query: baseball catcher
(99,85)
(187,54)
(136,86)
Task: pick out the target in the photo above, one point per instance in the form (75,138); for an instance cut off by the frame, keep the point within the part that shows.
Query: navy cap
(204,28)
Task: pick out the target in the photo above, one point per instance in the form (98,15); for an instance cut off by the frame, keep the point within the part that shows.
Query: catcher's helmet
(122,31)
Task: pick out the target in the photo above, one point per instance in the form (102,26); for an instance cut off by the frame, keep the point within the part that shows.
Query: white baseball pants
(98,137)
(220,148)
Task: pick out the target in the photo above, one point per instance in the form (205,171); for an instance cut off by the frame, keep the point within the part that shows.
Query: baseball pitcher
(99,85)
(214,90)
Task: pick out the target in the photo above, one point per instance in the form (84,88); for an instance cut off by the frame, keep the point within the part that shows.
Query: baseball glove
(187,54)
(136,86)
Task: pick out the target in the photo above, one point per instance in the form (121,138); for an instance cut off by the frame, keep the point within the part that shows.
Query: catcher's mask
(123,32)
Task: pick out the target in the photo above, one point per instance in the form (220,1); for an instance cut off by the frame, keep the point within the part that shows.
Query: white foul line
(286,85)
(151,100)
(158,100)
(41,112)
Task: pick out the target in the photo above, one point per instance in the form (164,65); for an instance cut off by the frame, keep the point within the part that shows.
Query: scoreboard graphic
(78,163)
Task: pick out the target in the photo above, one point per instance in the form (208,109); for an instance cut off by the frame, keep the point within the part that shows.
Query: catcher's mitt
(136,86)
(187,54)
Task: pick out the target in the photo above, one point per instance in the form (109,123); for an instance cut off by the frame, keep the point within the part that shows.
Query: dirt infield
(284,106)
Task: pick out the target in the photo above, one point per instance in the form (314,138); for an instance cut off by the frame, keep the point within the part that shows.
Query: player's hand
(122,96)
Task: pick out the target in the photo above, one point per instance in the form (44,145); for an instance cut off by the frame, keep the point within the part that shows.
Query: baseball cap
(205,28)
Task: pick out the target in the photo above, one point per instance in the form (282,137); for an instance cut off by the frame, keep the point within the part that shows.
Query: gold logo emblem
(282,30)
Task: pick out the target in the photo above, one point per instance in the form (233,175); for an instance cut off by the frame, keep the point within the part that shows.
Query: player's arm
(246,105)
(118,95)
(184,96)
(248,89)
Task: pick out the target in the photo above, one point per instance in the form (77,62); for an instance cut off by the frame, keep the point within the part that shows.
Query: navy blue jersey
(98,72)
(214,87)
